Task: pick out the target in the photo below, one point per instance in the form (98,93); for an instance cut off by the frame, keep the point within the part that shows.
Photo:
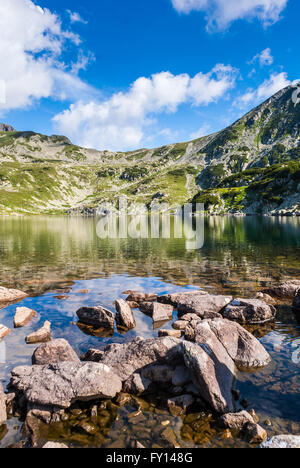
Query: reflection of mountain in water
(239,254)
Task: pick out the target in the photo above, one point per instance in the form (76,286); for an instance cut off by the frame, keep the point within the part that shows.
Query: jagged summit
(6,128)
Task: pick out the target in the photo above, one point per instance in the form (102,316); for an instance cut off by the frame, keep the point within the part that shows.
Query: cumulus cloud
(275,83)
(32,41)
(265,58)
(221,13)
(123,120)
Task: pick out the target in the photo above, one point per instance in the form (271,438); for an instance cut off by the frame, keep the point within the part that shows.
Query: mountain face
(253,166)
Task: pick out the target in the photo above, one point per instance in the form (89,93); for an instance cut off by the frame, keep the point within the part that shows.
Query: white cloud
(32,41)
(265,58)
(120,122)
(221,13)
(75,17)
(201,132)
(275,83)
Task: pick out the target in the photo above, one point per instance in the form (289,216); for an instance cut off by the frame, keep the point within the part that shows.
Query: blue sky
(124,74)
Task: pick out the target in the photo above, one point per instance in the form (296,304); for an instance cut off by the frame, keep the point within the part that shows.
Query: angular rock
(60,385)
(296,302)
(204,306)
(139,297)
(191,318)
(180,325)
(181,376)
(124,317)
(10,295)
(212,370)
(236,421)
(175,298)
(265,297)
(94,355)
(285,290)
(173,333)
(246,351)
(136,384)
(3,413)
(55,445)
(282,442)
(23,316)
(43,335)
(250,311)
(128,358)
(158,312)
(133,305)
(97,317)
(254,433)
(4,331)
(54,352)
(178,405)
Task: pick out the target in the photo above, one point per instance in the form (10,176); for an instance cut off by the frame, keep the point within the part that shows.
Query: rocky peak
(6,128)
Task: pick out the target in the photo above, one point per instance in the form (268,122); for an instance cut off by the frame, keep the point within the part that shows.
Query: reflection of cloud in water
(276,340)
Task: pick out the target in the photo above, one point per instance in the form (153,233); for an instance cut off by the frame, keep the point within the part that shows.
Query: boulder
(23,316)
(60,385)
(54,352)
(98,317)
(173,333)
(282,442)
(136,384)
(3,413)
(4,331)
(10,295)
(124,317)
(181,376)
(158,312)
(55,445)
(43,335)
(254,433)
(249,311)
(204,306)
(158,373)
(175,298)
(285,290)
(212,370)
(296,302)
(139,297)
(265,297)
(180,325)
(245,350)
(235,421)
(129,358)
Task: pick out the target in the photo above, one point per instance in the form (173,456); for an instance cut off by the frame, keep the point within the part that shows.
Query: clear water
(55,258)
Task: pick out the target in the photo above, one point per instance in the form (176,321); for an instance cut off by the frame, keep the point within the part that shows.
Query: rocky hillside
(252,166)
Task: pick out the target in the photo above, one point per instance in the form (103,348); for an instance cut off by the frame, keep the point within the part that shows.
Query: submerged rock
(4,331)
(97,317)
(3,413)
(178,405)
(296,302)
(245,350)
(285,290)
(61,385)
(23,316)
(251,311)
(213,372)
(10,295)
(204,306)
(282,442)
(124,317)
(175,298)
(42,335)
(243,423)
(54,352)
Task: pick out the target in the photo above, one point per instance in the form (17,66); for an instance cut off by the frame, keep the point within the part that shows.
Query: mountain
(252,166)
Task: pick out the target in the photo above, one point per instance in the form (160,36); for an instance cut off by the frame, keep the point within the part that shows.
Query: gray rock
(204,306)
(173,333)
(181,376)
(180,325)
(245,350)
(54,352)
(61,385)
(6,128)
(158,312)
(296,302)
(139,297)
(43,335)
(124,317)
(136,384)
(212,370)
(175,298)
(282,442)
(10,295)
(235,421)
(158,373)
(254,433)
(4,331)
(250,311)
(23,316)
(3,413)
(128,358)
(285,290)
(265,297)
(96,317)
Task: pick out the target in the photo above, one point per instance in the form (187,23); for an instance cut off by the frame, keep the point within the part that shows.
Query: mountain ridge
(61,177)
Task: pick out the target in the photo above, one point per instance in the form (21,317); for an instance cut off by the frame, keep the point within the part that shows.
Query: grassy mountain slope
(251,166)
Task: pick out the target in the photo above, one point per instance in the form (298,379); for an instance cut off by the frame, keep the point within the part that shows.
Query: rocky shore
(189,370)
